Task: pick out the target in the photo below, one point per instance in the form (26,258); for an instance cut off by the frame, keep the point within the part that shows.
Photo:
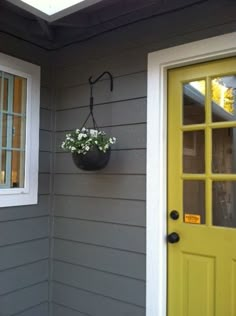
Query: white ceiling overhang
(51,10)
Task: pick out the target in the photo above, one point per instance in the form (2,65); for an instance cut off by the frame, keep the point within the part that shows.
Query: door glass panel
(223,201)
(223,98)
(194,202)
(223,150)
(194,102)
(193,152)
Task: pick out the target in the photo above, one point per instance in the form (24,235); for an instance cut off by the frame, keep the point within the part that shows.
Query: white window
(19,131)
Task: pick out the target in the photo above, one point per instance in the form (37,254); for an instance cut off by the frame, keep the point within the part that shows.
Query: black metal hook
(92,82)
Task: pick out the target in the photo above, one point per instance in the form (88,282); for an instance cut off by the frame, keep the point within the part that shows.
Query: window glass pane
(2,167)
(17,174)
(223,98)
(193,152)
(194,202)
(12,130)
(223,201)
(223,150)
(4,130)
(194,102)
(19,97)
(3,93)
(18,132)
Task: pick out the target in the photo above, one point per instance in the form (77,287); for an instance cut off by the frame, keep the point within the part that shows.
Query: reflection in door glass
(223,98)
(223,150)
(194,202)
(223,201)
(193,152)
(194,102)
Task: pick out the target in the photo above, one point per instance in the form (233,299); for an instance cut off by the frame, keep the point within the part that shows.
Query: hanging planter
(94,159)
(90,148)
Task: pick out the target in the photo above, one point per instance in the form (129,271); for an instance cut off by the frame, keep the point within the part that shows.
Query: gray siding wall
(24,230)
(99,227)
(98,259)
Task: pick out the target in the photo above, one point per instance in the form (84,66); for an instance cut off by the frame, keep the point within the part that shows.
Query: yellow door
(202,189)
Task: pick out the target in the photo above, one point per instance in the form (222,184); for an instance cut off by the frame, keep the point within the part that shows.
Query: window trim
(28,194)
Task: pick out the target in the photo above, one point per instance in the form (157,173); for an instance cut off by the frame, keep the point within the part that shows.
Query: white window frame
(29,193)
(158,64)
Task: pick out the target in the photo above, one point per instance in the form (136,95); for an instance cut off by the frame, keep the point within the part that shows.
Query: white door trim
(158,64)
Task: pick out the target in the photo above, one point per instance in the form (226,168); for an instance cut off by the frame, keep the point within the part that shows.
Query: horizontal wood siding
(91,303)
(61,310)
(99,227)
(116,261)
(38,310)
(24,230)
(21,300)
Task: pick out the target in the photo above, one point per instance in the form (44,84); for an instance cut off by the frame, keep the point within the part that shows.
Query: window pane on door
(194,152)
(223,201)
(223,98)
(223,150)
(194,201)
(194,102)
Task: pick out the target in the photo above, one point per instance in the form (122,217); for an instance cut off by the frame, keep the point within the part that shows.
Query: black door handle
(174,215)
(173,238)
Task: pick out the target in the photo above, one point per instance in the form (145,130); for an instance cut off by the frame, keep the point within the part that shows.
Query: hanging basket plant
(90,147)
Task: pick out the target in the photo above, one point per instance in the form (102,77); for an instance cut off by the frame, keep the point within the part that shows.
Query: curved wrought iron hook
(92,82)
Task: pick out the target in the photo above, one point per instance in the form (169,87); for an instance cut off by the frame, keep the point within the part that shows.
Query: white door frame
(158,64)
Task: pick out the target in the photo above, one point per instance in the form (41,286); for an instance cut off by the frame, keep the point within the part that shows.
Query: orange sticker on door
(192,219)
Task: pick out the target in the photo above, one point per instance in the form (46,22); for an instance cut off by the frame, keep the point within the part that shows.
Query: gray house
(153,233)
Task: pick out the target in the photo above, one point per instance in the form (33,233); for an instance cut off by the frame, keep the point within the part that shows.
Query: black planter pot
(94,159)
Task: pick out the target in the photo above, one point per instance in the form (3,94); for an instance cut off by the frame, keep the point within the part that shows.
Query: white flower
(112,140)
(93,132)
(81,140)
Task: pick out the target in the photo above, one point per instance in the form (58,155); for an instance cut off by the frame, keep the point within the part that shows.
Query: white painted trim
(158,64)
(55,16)
(28,194)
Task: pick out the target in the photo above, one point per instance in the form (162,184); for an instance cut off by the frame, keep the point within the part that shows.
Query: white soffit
(51,10)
